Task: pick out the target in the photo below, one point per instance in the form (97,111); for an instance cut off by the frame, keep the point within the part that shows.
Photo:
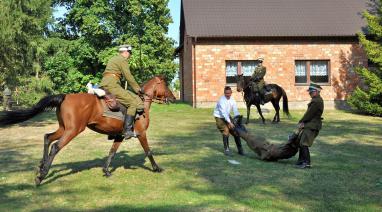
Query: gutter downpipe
(194,72)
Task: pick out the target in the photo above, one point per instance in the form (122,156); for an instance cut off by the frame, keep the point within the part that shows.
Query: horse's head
(240,82)
(157,90)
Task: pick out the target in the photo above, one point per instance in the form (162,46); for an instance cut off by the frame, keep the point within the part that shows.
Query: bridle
(154,97)
(244,87)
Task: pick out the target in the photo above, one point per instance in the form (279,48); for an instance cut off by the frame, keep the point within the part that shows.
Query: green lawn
(346,173)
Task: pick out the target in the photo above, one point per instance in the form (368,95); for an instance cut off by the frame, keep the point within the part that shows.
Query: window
(307,71)
(247,67)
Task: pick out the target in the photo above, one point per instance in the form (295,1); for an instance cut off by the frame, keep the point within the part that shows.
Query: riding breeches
(127,98)
(258,86)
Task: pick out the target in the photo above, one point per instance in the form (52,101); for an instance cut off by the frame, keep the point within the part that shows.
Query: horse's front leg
(143,140)
(248,112)
(117,142)
(261,113)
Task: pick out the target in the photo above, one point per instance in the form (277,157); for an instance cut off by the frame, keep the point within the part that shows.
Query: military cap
(124,47)
(314,87)
(261,59)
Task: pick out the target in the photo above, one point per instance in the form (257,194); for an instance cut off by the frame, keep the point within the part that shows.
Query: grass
(346,173)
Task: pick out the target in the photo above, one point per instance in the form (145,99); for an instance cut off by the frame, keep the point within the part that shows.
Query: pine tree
(368,98)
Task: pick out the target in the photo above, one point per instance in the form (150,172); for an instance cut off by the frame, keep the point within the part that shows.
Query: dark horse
(75,112)
(244,84)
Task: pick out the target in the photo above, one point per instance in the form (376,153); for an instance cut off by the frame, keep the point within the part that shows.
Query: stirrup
(129,135)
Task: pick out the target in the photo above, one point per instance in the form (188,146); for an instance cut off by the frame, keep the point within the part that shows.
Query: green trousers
(258,87)
(307,136)
(125,97)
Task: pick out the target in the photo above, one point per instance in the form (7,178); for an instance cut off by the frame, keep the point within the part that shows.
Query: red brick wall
(280,62)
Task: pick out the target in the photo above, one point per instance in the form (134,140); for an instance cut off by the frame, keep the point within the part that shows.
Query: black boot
(226,146)
(308,158)
(238,145)
(128,127)
(299,160)
(305,158)
(262,98)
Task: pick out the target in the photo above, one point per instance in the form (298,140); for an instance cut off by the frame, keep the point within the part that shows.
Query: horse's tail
(285,102)
(48,102)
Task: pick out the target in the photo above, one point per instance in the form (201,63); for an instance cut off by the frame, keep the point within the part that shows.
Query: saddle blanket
(116,115)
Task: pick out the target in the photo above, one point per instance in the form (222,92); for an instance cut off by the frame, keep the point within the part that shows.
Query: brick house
(301,41)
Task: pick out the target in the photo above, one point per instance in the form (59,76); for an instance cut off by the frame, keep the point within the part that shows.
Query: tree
(368,98)
(23,25)
(92,30)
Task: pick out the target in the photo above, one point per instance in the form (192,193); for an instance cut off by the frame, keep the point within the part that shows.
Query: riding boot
(226,146)
(305,158)
(238,145)
(128,127)
(262,97)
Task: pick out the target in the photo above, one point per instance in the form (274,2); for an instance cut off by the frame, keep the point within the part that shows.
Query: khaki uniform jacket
(258,78)
(119,66)
(312,117)
(259,73)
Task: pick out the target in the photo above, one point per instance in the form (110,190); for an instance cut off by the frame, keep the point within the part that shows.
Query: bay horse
(244,85)
(75,112)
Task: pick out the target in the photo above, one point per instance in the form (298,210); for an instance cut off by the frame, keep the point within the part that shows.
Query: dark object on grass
(264,149)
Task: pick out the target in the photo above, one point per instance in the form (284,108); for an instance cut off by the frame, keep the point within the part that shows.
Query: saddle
(110,100)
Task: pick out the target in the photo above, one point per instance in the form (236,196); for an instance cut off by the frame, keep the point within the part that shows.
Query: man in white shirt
(222,111)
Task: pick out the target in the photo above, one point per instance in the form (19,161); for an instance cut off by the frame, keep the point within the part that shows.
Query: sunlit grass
(346,173)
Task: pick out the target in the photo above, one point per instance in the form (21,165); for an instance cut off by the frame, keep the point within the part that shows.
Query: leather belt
(111,74)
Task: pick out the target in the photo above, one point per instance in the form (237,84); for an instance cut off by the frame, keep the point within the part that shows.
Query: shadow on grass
(121,159)
(343,178)
(164,208)
(344,175)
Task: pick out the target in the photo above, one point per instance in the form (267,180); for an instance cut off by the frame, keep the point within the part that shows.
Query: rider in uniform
(117,67)
(257,78)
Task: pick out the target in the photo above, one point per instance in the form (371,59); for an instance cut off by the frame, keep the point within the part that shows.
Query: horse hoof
(37,181)
(107,174)
(158,169)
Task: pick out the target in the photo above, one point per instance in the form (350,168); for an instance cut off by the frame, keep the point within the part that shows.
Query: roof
(273,18)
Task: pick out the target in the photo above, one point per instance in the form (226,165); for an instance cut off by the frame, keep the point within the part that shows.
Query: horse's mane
(161,77)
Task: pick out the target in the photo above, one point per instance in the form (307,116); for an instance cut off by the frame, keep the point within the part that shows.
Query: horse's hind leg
(55,148)
(113,150)
(48,139)
(276,105)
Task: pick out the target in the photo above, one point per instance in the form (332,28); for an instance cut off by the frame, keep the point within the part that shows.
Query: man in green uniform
(7,99)
(299,141)
(117,67)
(258,82)
(310,125)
